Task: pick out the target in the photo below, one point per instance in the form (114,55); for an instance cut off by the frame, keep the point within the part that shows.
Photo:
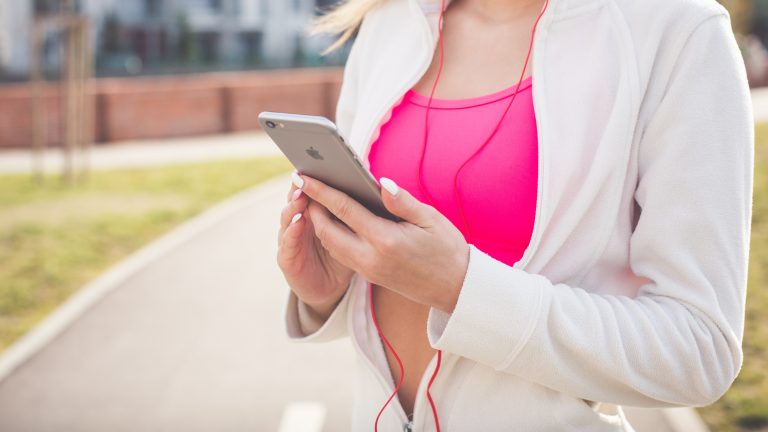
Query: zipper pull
(408,427)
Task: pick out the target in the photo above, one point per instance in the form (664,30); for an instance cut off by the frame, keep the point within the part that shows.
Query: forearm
(313,315)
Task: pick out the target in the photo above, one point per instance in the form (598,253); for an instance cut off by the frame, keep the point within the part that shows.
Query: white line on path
(303,417)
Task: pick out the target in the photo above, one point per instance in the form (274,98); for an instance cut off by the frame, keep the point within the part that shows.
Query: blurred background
(153,37)
(139,202)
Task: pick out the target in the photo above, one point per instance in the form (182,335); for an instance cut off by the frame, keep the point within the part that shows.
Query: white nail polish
(295,217)
(297,180)
(389,185)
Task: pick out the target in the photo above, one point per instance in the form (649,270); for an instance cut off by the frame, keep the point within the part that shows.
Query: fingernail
(389,185)
(296,194)
(295,217)
(297,180)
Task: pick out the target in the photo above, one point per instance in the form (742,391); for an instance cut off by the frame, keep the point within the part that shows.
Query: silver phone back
(315,147)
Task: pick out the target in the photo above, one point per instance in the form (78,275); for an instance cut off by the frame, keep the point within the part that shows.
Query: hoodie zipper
(383,381)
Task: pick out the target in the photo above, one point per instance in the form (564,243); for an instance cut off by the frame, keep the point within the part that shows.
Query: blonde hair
(344,18)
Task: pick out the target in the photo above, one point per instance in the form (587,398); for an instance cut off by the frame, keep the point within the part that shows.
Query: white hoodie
(632,289)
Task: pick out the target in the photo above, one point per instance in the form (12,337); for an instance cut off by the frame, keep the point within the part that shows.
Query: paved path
(192,341)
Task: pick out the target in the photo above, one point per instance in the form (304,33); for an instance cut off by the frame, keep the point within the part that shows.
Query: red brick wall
(16,115)
(161,107)
(306,93)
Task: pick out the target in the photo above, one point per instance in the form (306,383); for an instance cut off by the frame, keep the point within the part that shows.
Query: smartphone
(315,147)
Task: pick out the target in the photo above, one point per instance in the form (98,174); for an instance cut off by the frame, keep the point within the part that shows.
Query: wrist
(322,310)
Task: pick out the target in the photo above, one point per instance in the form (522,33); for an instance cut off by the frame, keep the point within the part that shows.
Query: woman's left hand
(424,257)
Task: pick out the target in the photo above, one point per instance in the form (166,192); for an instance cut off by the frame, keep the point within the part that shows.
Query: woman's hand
(312,273)
(424,258)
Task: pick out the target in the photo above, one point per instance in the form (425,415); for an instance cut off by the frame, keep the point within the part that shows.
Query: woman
(572,243)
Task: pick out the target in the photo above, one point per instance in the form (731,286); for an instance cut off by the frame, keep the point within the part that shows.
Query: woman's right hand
(316,278)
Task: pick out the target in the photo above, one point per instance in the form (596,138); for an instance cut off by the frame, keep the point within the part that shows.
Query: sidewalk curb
(90,294)
(147,153)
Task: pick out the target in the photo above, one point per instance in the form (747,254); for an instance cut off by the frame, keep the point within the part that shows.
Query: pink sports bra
(497,187)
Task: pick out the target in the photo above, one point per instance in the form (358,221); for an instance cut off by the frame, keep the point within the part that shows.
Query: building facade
(142,35)
(15,31)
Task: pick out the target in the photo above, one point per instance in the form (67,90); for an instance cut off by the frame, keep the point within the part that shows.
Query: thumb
(401,203)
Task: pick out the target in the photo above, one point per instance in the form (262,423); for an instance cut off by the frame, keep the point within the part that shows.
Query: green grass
(55,238)
(745,406)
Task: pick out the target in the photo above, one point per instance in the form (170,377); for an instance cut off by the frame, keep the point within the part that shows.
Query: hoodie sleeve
(302,325)
(678,342)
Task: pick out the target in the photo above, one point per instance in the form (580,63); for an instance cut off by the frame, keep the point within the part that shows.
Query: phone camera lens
(270,124)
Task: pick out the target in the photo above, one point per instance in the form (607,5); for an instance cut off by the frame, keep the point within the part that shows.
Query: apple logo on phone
(314,153)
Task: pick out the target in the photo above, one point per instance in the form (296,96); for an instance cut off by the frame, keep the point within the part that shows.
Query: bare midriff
(403,322)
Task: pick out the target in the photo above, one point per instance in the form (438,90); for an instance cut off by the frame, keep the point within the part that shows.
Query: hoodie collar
(431,6)
(556,6)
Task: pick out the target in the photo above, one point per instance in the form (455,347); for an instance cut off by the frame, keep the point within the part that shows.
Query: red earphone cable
(429,197)
(426,117)
(455,178)
(402,368)
(429,103)
(458,201)
(394,353)
(429,386)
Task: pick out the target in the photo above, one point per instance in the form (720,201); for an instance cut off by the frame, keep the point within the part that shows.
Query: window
(152,7)
(323,6)
(216,5)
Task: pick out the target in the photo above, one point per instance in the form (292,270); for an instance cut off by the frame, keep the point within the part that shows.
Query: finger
(344,207)
(401,203)
(292,189)
(292,233)
(343,244)
(290,240)
(289,210)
